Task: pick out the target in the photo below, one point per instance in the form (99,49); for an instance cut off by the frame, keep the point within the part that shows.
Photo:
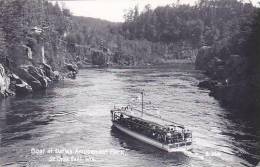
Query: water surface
(75,114)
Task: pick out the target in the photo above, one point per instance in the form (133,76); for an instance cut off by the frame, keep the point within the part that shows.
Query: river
(70,124)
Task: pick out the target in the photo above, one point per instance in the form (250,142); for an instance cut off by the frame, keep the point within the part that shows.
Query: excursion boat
(151,129)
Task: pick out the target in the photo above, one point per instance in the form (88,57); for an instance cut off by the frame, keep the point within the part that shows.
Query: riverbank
(26,79)
(45,120)
(229,80)
(170,63)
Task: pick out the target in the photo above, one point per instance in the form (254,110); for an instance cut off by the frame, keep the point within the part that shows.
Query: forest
(225,34)
(29,23)
(175,31)
(203,24)
(32,50)
(220,36)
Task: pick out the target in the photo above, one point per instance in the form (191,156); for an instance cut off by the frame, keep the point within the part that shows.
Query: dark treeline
(253,71)
(96,33)
(226,34)
(33,51)
(223,36)
(203,24)
(21,18)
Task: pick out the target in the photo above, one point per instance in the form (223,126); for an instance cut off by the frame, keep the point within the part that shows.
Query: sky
(113,10)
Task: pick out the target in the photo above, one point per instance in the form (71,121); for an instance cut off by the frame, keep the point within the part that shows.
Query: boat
(152,129)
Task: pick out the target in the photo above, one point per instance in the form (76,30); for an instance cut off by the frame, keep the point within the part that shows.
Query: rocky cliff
(33,52)
(31,71)
(229,80)
(4,83)
(232,64)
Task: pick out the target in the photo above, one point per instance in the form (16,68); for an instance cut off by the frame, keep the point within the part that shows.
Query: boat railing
(159,117)
(125,110)
(179,144)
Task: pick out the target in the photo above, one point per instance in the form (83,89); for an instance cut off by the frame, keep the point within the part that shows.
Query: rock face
(72,70)
(99,58)
(29,75)
(30,72)
(71,67)
(56,76)
(228,78)
(205,54)
(38,78)
(207,84)
(29,64)
(20,87)
(28,79)
(4,83)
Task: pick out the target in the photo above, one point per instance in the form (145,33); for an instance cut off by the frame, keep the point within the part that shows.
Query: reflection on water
(17,121)
(76,115)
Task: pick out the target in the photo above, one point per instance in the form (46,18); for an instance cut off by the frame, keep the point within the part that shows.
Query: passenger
(121,116)
(168,136)
(182,136)
(154,134)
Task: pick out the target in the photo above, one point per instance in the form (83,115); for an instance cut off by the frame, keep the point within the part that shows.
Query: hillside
(32,54)
(41,43)
(235,76)
(100,34)
(225,34)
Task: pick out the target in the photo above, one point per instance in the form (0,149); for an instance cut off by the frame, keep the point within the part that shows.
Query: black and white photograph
(129,83)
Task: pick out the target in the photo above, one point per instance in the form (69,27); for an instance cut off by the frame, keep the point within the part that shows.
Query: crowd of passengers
(161,134)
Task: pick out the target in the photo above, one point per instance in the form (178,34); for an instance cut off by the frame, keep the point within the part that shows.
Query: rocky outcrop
(227,73)
(26,79)
(4,83)
(38,78)
(72,70)
(30,77)
(54,76)
(207,84)
(205,54)
(99,58)
(71,67)
(19,86)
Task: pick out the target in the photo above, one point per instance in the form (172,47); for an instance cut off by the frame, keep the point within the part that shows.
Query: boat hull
(152,142)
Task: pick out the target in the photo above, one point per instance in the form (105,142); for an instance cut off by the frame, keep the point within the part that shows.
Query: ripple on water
(76,114)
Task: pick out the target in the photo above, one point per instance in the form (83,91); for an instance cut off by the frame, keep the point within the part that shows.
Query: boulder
(207,84)
(56,75)
(52,75)
(71,68)
(71,75)
(24,73)
(23,89)
(216,68)
(99,57)
(14,78)
(4,83)
(47,69)
(38,74)
(20,87)
(205,54)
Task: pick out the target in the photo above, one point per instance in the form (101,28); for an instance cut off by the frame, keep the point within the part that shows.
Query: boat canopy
(149,118)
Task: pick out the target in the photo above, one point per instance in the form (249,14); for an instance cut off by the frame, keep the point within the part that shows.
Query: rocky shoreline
(27,79)
(228,81)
